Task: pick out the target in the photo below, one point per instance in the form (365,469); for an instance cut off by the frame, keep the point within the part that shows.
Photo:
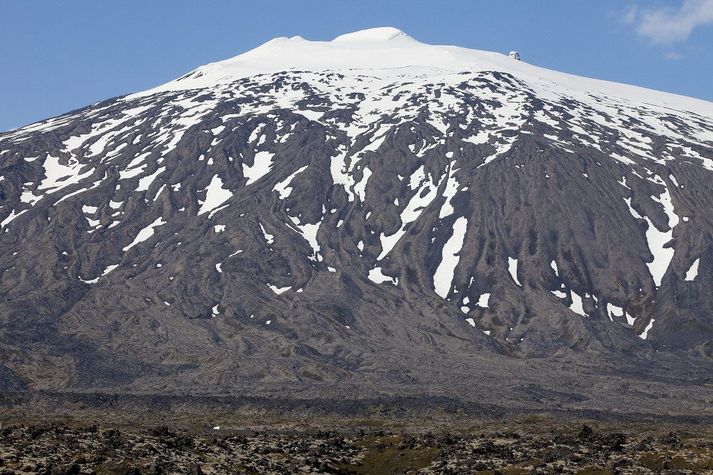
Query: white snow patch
(279,290)
(376,276)
(449,192)
(145,233)
(629,319)
(269,238)
(158,193)
(10,217)
(692,271)
(480,138)
(93,223)
(413,210)
(58,176)
(262,164)
(255,133)
(631,209)
(360,188)
(310,114)
(645,334)
(553,264)
(104,272)
(443,278)
(577,306)
(658,239)
(417,178)
(109,268)
(29,197)
(309,233)
(146,181)
(512,268)
(131,172)
(614,311)
(340,175)
(283,188)
(215,196)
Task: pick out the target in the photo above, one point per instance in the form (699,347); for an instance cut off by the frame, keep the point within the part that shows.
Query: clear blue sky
(59,55)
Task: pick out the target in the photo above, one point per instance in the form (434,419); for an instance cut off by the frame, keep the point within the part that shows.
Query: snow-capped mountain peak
(339,198)
(388,52)
(374,35)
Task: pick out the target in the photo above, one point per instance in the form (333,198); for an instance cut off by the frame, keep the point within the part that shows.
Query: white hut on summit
(514,55)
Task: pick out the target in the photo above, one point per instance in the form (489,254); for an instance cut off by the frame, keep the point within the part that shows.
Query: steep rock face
(390,225)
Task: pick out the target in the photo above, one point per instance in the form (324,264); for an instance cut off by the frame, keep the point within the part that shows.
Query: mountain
(366,215)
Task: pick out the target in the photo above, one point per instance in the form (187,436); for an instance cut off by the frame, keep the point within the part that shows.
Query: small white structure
(514,55)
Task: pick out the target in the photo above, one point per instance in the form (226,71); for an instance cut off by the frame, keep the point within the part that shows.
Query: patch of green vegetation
(367,422)
(667,461)
(594,471)
(384,457)
(514,471)
(680,463)
(533,419)
(653,461)
(120,468)
(521,468)
(392,460)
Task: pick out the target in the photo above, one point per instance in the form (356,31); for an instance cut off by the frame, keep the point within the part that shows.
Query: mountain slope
(367,212)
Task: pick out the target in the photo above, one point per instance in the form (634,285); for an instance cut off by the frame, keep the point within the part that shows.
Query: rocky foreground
(534,446)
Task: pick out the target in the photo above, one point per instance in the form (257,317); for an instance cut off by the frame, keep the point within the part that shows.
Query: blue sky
(60,55)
